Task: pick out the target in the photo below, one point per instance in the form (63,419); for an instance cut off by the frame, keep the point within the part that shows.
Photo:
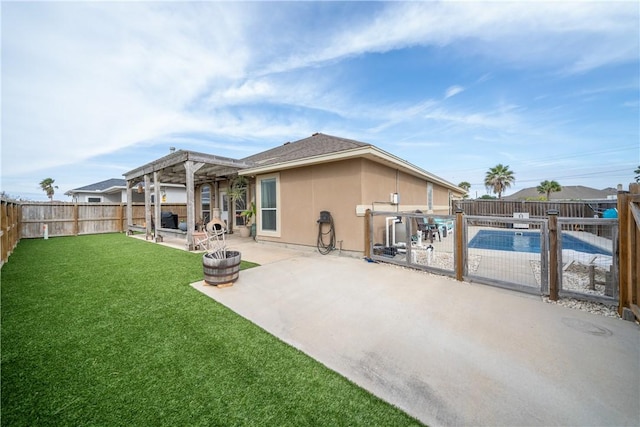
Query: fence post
(553,254)
(120,227)
(624,252)
(76,225)
(460,244)
(367,234)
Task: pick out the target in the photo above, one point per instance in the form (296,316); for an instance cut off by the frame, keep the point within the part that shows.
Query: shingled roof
(102,185)
(317,144)
(321,148)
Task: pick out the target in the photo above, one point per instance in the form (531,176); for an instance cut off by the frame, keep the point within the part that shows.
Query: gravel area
(444,260)
(576,278)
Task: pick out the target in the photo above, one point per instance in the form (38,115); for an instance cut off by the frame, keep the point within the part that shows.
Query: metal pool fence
(577,259)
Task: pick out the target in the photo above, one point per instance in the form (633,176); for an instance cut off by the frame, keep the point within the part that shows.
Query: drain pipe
(391,220)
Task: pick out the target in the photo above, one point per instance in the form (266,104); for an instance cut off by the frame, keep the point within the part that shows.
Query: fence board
(536,209)
(628,207)
(9,228)
(72,219)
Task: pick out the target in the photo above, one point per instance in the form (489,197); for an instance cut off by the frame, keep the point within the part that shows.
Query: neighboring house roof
(320,148)
(112,185)
(107,186)
(569,192)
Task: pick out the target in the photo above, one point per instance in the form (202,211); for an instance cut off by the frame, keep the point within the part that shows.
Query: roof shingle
(317,144)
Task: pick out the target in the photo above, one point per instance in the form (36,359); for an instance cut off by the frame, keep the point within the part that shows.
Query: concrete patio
(446,352)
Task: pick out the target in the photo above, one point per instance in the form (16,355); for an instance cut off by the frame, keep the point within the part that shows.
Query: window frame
(278,209)
(207,218)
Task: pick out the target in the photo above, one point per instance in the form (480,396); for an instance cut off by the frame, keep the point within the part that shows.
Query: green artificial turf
(106,331)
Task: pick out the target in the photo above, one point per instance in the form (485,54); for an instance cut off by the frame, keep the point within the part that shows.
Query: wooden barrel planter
(218,271)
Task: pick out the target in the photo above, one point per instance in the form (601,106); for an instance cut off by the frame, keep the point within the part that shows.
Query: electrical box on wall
(393,198)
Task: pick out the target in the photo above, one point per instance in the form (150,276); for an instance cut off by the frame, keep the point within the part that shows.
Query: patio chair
(428,228)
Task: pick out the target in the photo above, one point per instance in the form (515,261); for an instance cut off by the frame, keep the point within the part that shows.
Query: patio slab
(446,352)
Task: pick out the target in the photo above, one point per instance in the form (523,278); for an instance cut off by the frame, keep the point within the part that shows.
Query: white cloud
(86,79)
(453,91)
(521,32)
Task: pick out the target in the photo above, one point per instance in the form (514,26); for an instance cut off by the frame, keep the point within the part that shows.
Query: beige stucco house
(291,184)
(342,176)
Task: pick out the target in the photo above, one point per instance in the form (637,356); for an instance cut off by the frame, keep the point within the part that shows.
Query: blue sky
(91,90)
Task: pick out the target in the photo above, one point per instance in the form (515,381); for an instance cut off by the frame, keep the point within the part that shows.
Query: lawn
(105,330)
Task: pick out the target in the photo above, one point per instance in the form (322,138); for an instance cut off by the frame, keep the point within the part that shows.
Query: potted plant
(249,214)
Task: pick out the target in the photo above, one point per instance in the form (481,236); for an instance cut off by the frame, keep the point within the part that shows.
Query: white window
(268,199)
(94,199)
(429,196)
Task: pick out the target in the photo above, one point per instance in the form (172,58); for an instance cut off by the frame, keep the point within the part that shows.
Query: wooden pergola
(180,167)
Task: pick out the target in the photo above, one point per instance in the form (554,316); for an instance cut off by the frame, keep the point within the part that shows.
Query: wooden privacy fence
(629,216)
(73,219)
(10,227)
(535,209)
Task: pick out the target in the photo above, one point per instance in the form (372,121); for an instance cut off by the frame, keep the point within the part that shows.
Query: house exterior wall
(341,187)
(104,198)
(172,195)
(304,192)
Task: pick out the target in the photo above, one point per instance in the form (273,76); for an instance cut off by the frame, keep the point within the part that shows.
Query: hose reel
(326,228)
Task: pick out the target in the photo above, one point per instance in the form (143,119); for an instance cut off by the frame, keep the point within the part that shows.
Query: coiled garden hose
(325,248)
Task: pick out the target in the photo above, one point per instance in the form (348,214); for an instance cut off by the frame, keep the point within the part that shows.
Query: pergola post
(147,206)
(156,205)
(129,204)
(190,169)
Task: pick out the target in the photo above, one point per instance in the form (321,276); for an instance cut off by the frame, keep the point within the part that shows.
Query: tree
(465,186)
(637,172)
(547,187)
(48,187)
(498,179)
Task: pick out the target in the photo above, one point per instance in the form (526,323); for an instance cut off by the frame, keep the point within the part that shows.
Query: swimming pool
(527,241)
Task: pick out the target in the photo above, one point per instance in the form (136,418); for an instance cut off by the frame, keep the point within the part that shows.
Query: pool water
(527,241)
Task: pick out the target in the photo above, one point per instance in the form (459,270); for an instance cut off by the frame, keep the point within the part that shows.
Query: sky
(91,90)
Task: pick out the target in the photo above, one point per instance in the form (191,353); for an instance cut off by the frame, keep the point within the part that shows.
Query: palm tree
(465,186)
(637,172)
(547,187)
(48,187)
(498,179)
